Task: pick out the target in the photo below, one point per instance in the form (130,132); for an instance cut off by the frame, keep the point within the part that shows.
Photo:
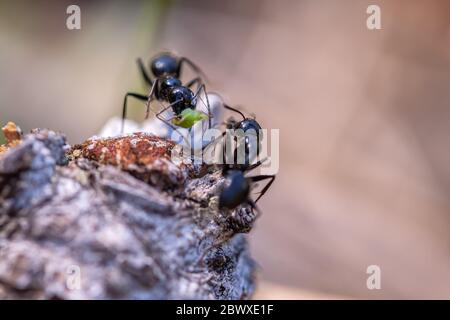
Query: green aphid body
(188,118)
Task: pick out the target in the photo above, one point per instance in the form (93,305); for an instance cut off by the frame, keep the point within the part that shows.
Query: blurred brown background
(363,116)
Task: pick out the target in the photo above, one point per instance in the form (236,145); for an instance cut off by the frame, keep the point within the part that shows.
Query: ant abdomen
(236,190)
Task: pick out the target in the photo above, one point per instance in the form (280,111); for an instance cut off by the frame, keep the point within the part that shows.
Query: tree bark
(116,219)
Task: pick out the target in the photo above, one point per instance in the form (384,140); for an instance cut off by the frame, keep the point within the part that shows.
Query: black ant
(167,87)
(237,187)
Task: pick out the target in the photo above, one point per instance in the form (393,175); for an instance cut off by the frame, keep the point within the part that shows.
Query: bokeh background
(364,119)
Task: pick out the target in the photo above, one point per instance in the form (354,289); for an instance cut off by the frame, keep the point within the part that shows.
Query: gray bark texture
(116,219)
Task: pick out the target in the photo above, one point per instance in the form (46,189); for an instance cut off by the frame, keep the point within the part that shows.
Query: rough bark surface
(115,218)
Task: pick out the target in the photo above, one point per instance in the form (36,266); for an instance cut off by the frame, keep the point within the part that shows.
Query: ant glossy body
(237,187)
(167,87)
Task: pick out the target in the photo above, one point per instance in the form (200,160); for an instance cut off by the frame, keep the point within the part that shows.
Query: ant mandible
(167,87)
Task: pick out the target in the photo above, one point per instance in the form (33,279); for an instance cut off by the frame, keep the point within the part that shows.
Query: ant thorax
(165,85)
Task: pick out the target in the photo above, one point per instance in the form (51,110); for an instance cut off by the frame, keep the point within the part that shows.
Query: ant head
(248,124)
(166,84)
(236,190)
(165,64)
(252,146)
(181,98)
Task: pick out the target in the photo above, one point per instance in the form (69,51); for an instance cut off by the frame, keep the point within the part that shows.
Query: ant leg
(124,110)
(193,67)
(166,108)
(266,187)
(158,115)
(197,81)
(151,95)
(144,73)
(207,103)
(256,165)
(234,110)
(172,126)
(253,205)
(214,142)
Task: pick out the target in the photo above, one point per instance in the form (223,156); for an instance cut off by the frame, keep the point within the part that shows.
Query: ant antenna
(194,67)
(234,110)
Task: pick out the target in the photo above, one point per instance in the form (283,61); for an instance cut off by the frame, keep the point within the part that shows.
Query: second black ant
(237,186)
